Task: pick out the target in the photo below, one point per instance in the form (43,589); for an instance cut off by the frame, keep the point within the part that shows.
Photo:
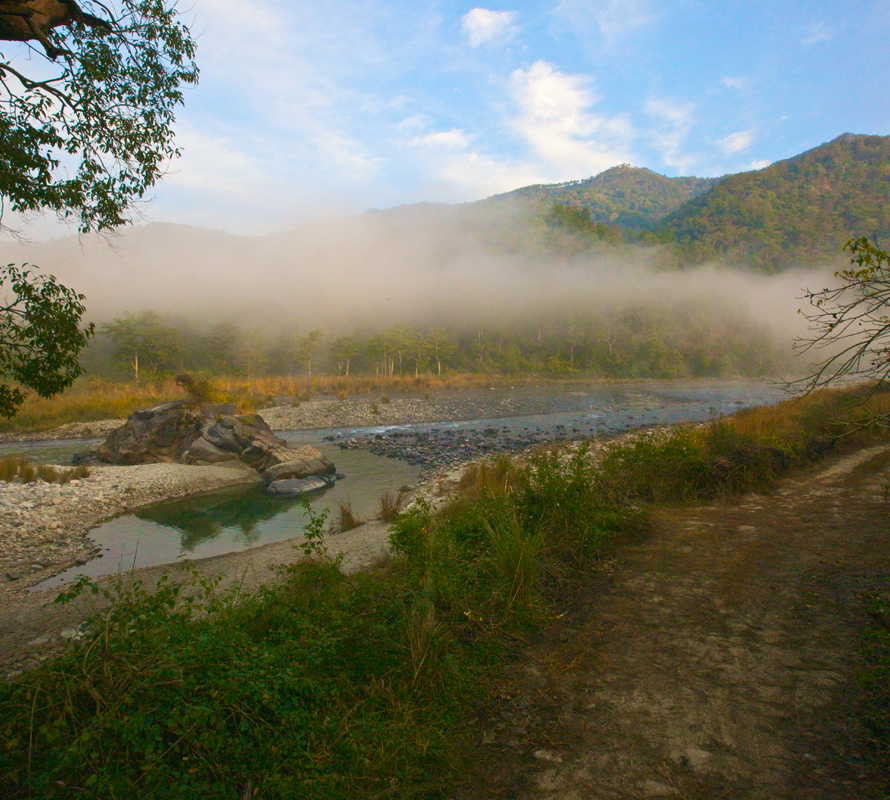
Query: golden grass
(93,399)
(347,518)
(820,410)
(496,476)
(18,468)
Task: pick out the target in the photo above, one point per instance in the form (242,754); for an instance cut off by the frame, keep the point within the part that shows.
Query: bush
(389,505)
(333,686)
(347,518)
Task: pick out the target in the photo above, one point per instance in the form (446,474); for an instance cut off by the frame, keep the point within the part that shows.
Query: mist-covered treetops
(796,213)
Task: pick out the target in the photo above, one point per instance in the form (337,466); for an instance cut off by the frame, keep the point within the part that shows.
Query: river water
(223,522)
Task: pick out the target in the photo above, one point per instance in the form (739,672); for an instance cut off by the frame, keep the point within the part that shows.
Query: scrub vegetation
(328,685)
(20,469)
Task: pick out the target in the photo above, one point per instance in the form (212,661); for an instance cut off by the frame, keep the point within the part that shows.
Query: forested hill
(630,197)
(797,211)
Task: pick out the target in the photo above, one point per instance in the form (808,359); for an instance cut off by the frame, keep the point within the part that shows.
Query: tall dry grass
(93,399)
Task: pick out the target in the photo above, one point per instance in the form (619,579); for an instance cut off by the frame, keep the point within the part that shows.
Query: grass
(326,686)
(18,468)
(744,452)
(876,676)
(389,505)
(93,399)
(346,518)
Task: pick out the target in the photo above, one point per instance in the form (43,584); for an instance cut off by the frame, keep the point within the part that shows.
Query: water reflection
(224,522)
(198,520)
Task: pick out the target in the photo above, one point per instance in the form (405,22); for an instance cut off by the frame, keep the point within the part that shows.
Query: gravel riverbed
(43,526)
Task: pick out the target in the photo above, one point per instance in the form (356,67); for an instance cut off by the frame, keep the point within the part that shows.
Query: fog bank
(418,266)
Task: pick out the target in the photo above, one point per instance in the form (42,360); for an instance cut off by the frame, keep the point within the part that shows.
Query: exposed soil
(715,659)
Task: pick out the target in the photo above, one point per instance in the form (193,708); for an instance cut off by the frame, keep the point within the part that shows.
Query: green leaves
(40,335)
(95,135)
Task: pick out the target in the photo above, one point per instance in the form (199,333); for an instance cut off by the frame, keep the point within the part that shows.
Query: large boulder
(160,433)
(193,434)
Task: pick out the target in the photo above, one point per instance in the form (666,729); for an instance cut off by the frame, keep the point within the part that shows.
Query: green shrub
(876,678)
(332,686)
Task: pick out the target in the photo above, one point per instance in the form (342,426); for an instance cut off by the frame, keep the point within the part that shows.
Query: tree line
(625,343)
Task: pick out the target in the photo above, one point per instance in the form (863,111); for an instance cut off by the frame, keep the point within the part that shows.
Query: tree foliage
(89,132)
(632,197)
(625,342)
(797,211)
(851,321)
(86,127)
(40,334)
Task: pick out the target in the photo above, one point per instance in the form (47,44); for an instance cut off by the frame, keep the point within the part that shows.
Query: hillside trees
(88,94)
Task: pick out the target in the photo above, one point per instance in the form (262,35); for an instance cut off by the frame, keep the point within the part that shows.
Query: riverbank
(326,686)
(495,401)
(44,526)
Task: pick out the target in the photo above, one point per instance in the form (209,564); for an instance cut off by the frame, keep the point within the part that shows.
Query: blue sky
(306,108)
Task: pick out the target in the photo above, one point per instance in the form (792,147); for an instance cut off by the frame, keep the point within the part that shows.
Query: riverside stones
(189,433)
(296,487)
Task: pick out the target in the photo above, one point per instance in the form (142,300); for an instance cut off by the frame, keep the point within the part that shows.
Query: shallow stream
(209,525)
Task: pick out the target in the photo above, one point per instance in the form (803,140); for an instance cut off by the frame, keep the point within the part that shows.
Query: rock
(193,434)
(203,452)
(296,487)
(301,463)
(160,433)
(697,758)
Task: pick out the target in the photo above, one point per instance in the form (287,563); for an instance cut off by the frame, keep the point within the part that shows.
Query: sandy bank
(43,526)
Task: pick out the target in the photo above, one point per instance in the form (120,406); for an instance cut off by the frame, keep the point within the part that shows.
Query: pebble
(44,526)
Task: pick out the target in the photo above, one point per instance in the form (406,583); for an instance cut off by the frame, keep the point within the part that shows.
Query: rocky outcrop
(189,433)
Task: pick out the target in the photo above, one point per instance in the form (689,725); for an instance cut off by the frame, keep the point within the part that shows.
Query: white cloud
(481,26)
(556,120)
(477,175)
(734,82)
(416,122)
(348,154)
(200,168)
(673,124)
(560,136)
(736,142)
(454,139)
(609,19)
(759,164)
(816,33)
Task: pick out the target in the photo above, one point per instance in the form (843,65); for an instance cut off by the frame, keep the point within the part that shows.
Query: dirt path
(714,660)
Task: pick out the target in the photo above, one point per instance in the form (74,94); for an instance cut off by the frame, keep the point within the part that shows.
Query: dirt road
(716,659)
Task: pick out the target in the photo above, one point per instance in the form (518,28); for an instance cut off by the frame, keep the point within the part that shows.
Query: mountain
(630,197)
(798,211)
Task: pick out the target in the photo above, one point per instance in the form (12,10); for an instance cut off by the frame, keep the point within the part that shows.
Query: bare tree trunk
(135,366)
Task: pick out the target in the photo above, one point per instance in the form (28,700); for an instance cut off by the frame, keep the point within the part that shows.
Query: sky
(308,109)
